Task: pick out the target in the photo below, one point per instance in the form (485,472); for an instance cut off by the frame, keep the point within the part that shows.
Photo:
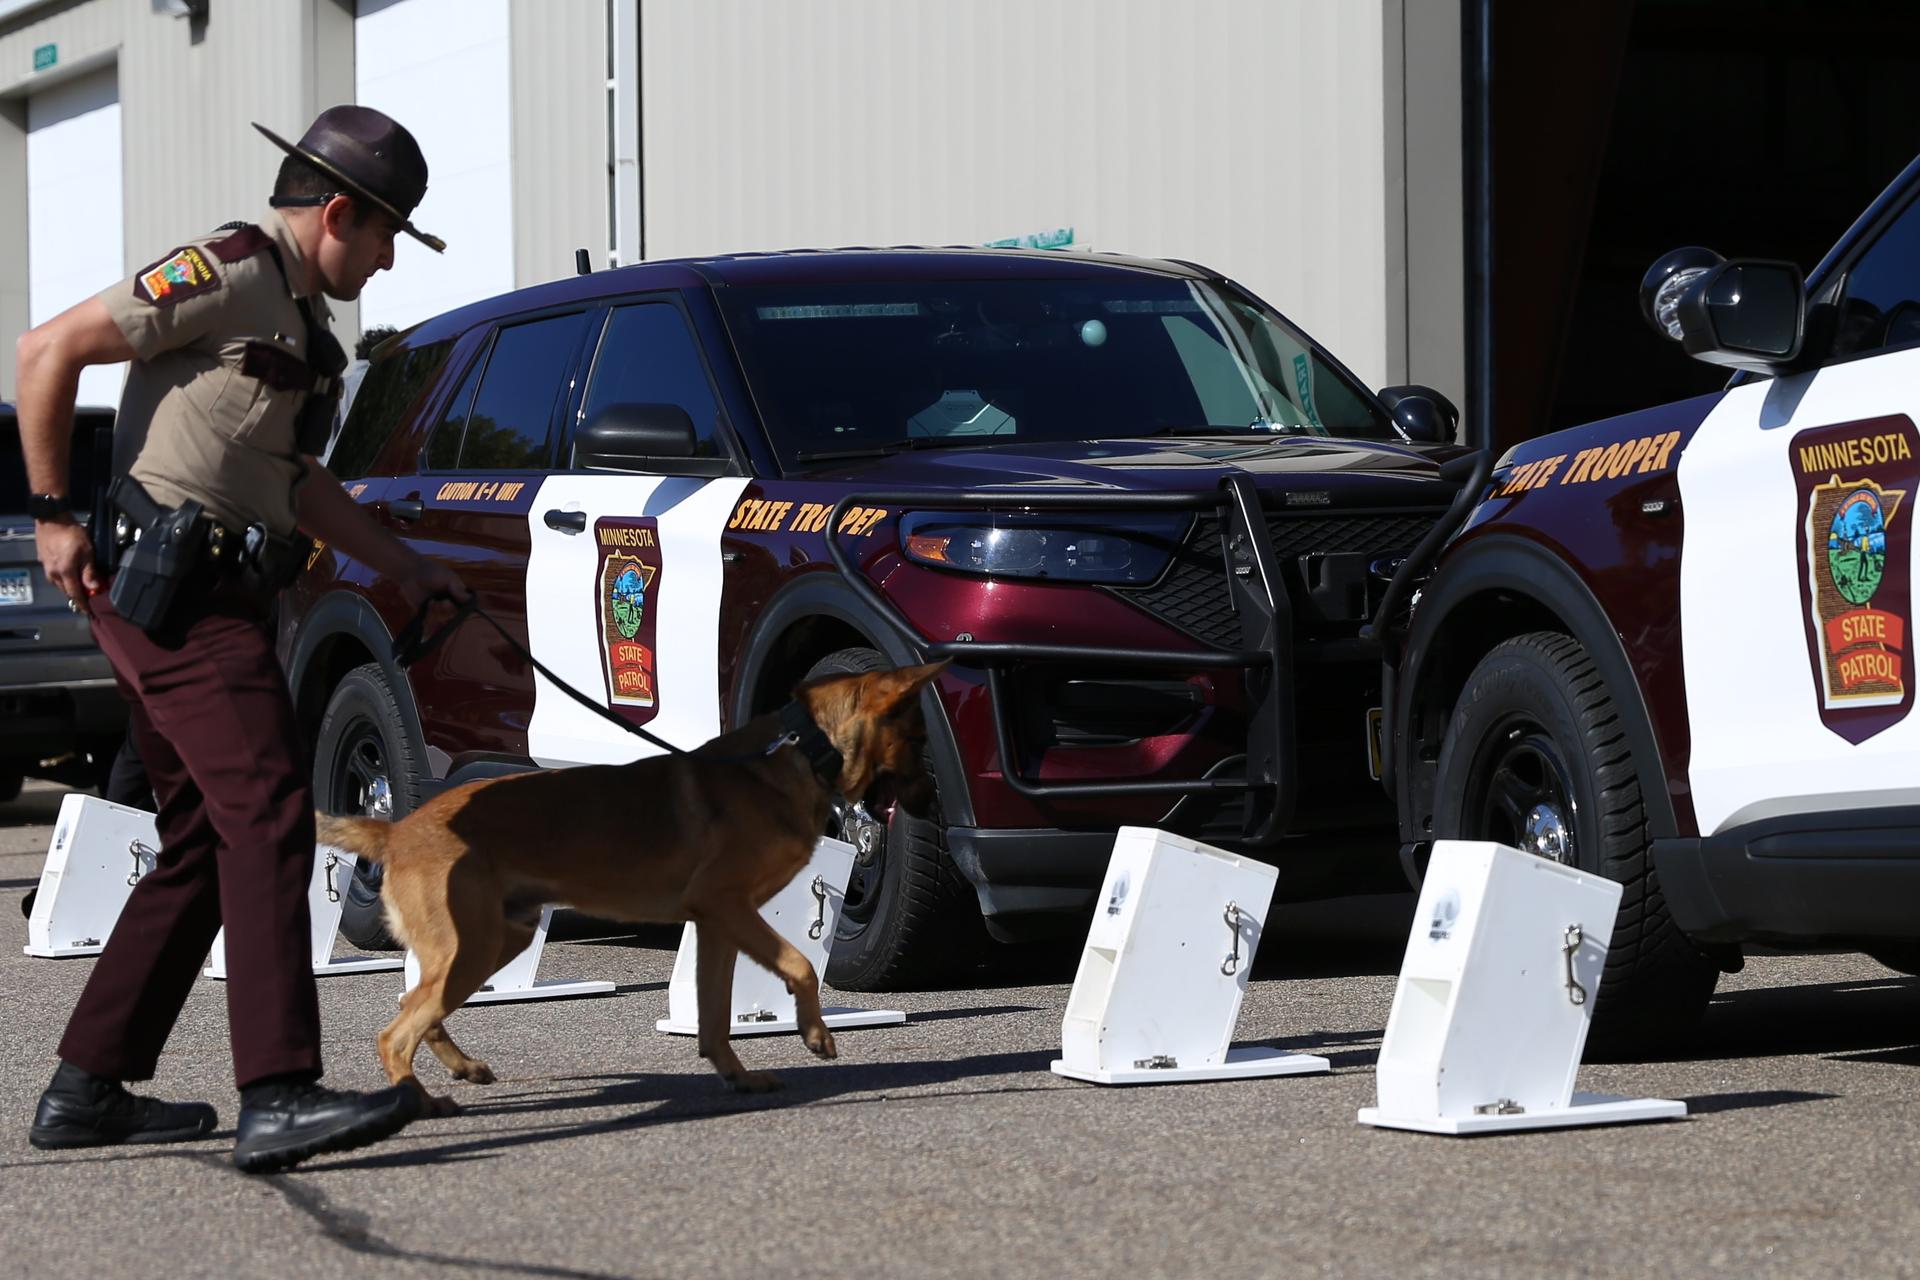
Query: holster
(269,561)
(166,550)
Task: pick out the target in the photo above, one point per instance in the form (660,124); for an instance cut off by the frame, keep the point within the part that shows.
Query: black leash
(797,728)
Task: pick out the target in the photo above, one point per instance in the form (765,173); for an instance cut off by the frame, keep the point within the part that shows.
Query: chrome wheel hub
(866,833)
(1545,834)
(377,799)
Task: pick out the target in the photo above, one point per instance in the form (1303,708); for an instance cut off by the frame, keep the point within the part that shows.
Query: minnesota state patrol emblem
(627,586)
(1856,574)
(180,274)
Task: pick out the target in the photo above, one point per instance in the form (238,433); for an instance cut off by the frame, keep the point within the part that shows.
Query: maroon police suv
(1151,522)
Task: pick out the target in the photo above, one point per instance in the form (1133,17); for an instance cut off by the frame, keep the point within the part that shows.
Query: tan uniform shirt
(208,409)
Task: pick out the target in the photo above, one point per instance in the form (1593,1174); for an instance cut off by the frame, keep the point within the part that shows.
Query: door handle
(406,510)
(566,521)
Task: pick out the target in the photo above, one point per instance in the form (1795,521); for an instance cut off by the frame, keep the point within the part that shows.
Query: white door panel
(652,654)
(1781,724)
(442,69)
(75,243)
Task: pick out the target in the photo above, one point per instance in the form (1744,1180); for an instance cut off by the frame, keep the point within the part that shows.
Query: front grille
(1193,594)
(1298,535)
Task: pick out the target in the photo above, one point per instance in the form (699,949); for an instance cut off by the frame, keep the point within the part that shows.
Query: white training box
(326,898)
(805,913)
(99,850)
(517,979)
(1496,992)
(1165,968)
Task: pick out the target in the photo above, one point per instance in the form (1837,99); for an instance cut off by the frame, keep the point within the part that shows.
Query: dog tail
(366,837)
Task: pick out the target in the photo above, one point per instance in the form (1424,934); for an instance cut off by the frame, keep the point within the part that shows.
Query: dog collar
(797,729)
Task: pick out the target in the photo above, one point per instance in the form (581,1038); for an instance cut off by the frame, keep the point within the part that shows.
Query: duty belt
(258,557)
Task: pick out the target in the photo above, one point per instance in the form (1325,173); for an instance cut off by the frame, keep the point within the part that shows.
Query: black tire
(1536,756)
(910,918)
(10,785)
(364,764)
(1901,957)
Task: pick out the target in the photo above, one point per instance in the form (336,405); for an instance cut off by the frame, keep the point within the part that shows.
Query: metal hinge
(1570,947)
(1158,1062)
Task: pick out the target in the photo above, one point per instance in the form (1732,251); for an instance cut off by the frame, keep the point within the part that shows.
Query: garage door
(74,243)
(440,67)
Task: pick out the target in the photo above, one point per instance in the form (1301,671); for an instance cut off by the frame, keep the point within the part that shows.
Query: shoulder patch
(242,244)
(181,274)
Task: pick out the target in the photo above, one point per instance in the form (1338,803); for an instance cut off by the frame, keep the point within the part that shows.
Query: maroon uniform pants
(216,726)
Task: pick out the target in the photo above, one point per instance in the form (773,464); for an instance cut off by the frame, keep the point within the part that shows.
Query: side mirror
(1742,314)
(622,436)
(1423,413)
(1903,325)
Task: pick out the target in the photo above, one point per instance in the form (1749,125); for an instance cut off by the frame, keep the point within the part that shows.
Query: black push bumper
(1259,596)
(1258,593)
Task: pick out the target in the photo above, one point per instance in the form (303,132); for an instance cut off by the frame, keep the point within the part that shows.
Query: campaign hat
(373,158)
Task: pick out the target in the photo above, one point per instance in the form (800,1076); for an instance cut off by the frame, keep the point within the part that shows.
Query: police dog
(720,831)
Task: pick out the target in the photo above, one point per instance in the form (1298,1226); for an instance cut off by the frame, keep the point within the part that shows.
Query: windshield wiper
(834,455)
(1263,426)
(1271,427)
(897,446)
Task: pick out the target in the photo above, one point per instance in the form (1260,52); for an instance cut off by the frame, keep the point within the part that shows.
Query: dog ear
(905,683)
(831,700)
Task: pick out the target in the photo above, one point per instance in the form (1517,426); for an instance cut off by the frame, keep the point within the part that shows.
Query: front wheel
(910,918)
(1537,757)
(364,765)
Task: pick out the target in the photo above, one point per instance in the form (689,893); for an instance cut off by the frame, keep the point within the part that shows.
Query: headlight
(1123,549)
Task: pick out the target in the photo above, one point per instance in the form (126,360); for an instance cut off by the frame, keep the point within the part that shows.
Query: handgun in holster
(271,561)
(166,548)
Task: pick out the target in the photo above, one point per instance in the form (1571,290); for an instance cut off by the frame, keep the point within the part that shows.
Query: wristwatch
(48,506)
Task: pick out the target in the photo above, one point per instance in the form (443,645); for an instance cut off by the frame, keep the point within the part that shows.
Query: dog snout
(915,794)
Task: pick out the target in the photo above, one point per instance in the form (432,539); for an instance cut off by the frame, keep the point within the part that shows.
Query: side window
(507,429)
(443,445)
(647,356)
(391,387)
(1881,305)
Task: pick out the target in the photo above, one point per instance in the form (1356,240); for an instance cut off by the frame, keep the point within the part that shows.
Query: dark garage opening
(1619,129)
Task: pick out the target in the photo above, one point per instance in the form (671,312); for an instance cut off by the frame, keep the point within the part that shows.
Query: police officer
(226,402)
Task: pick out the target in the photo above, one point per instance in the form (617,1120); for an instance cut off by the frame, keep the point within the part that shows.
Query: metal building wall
(1425,206)
(559,55)
(444,69)
(1310,148)
(192,155)
(87,38)
(1246,134)
(189,89)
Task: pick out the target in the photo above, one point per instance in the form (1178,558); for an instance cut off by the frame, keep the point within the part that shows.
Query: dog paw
(820,1040)
(752,1082)
(476,1072)
(440,1107)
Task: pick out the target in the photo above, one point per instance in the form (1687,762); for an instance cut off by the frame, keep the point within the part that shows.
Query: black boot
(283,1124)
(80,1109)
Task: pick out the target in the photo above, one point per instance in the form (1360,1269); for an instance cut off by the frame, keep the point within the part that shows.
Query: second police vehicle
(1675,647)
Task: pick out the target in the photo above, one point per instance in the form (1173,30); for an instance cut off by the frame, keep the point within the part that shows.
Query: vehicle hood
(1324,471)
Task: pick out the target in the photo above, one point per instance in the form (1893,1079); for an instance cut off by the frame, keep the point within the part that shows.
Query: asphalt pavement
(945,1147)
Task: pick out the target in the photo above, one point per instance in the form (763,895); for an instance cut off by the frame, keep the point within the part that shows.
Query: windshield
(849,369)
